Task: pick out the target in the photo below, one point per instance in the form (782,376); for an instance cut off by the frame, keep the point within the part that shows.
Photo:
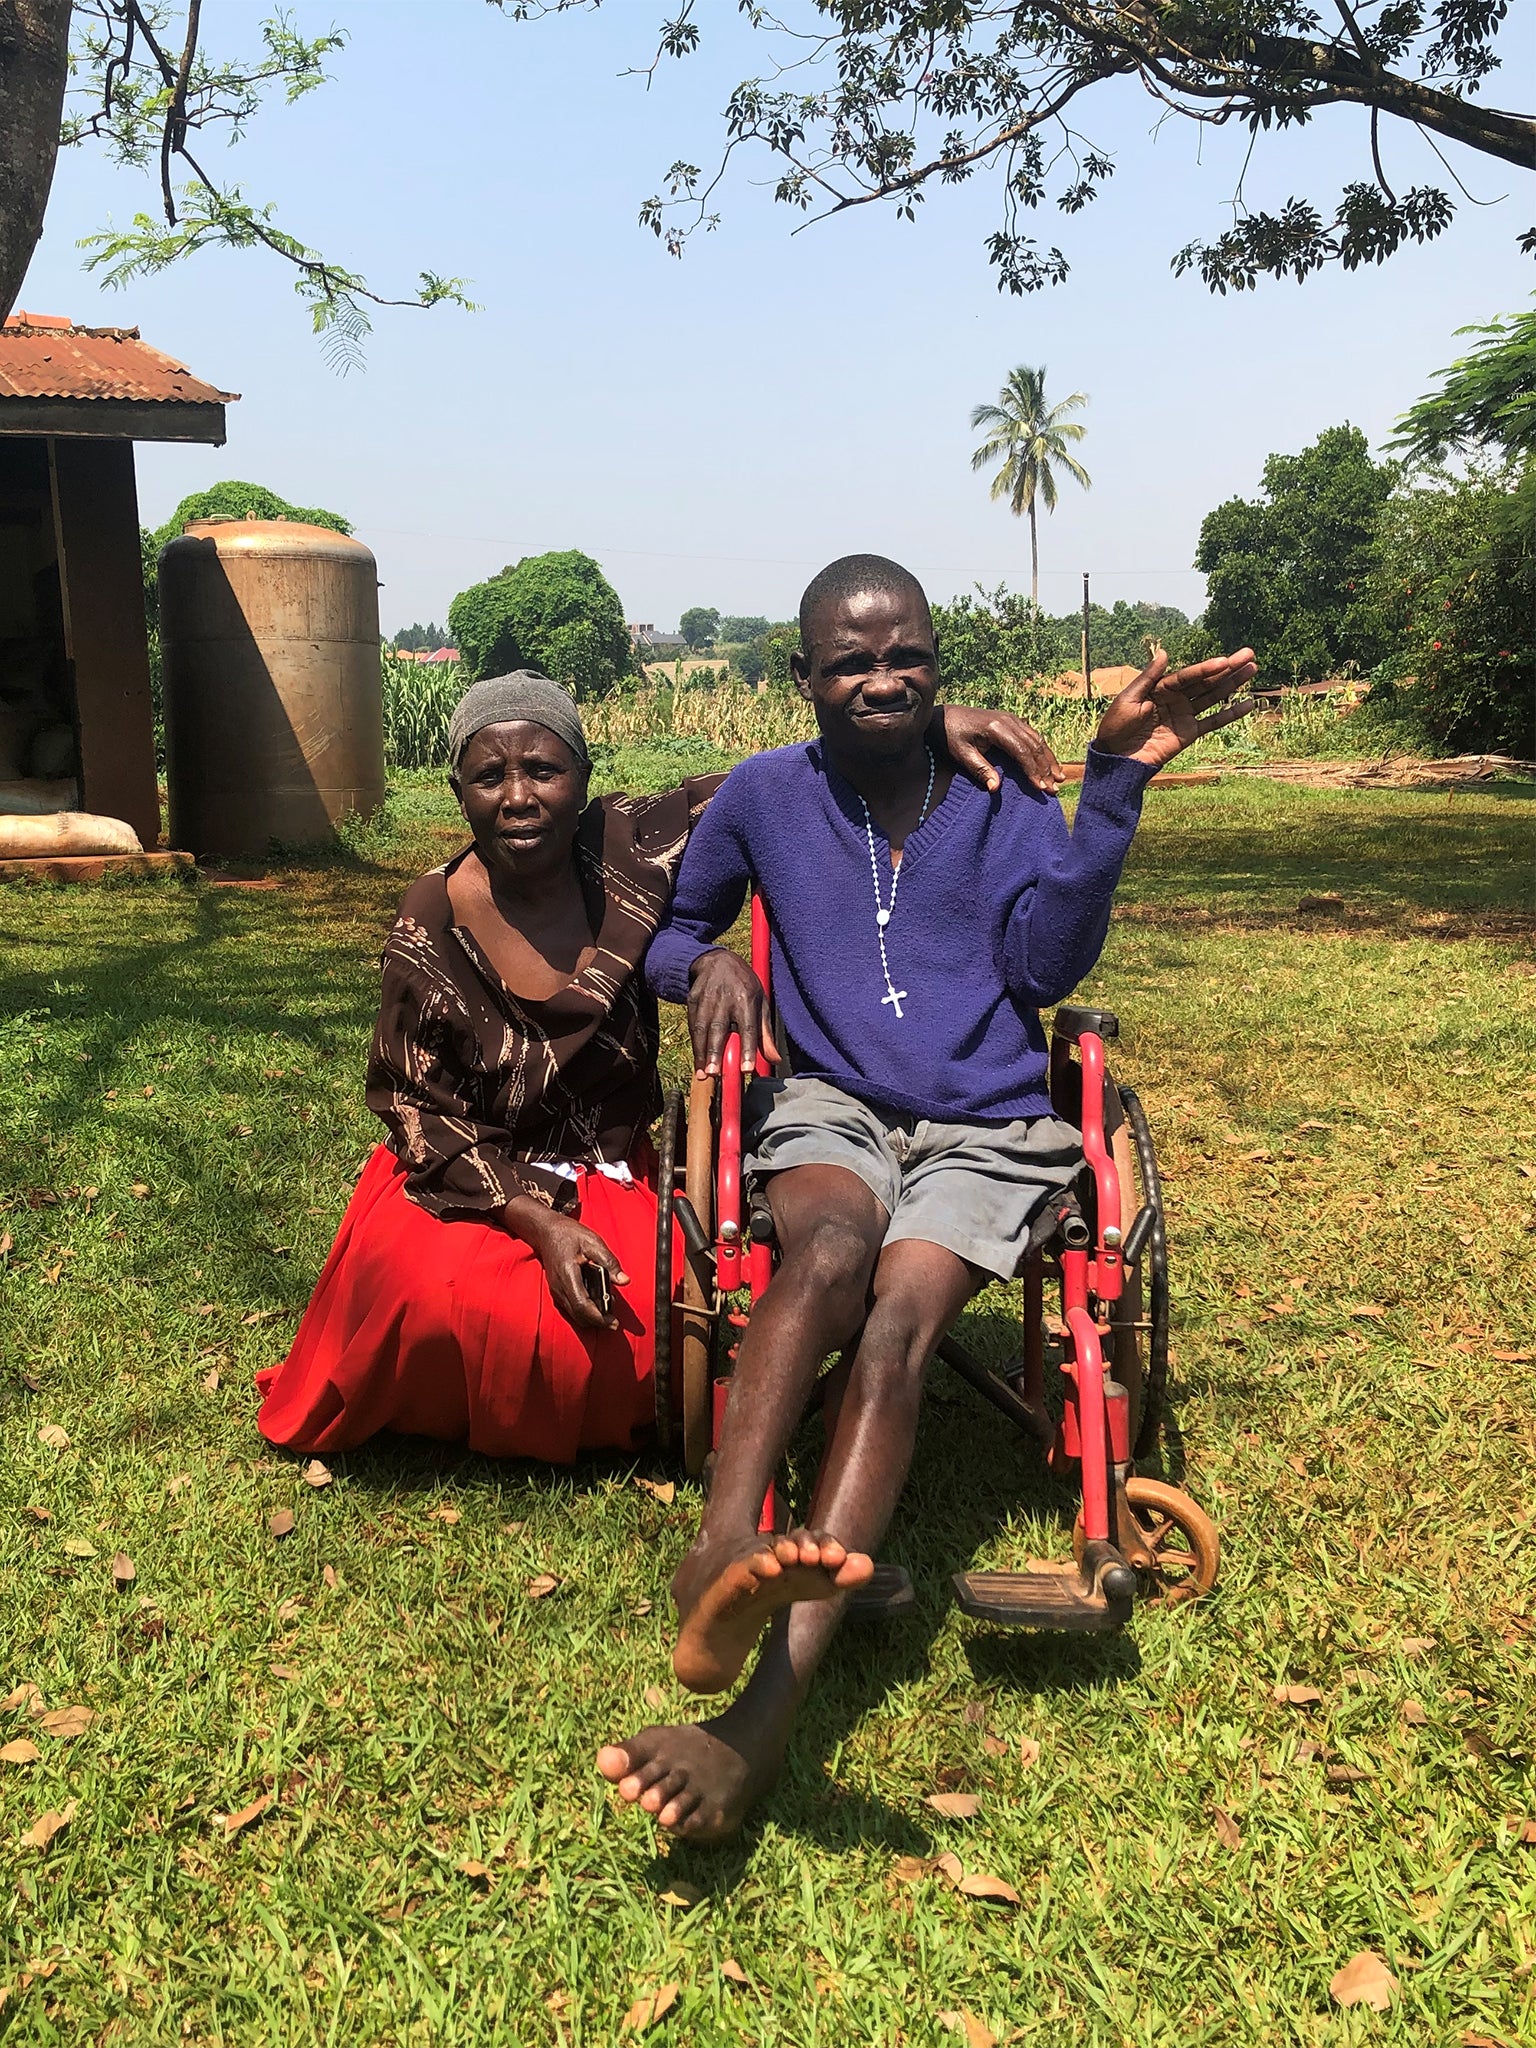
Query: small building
(75,706)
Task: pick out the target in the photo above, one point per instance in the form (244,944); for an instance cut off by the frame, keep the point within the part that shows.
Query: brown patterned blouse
(475,1085)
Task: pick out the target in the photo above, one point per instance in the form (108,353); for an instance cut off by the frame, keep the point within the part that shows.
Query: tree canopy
(734,629)
(1487,399)
(699,626)
(890,100)
(1030,439)
(1287,571)
(236,500)
(554,612)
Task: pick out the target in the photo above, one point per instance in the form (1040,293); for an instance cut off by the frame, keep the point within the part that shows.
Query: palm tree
(1030,436)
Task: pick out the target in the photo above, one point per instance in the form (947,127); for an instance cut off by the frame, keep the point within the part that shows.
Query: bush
(236,500)
(555,612)
(1455,581)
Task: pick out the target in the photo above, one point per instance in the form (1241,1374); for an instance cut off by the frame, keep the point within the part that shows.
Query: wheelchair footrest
(1047,1596)
(888,1593)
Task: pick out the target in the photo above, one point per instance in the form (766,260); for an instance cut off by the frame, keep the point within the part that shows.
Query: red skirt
(449,1330)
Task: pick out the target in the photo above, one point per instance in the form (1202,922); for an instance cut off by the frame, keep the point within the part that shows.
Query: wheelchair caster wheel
(1179,1538)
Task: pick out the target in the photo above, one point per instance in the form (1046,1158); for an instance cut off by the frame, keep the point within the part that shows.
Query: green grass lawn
(1344,1102)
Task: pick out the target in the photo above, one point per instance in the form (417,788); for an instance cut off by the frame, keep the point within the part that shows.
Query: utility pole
(1087,672)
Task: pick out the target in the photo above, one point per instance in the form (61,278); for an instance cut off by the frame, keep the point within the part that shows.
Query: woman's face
(522,792)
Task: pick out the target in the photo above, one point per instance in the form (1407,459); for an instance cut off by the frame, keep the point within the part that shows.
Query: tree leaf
(123,1572)
(316,1474)
(234,1822)
(732,1970)
(66,1721)
(994,1746)
(648,2009)
(1412,1715)
(654,1696)
(1416,1646)
(909,1869)
(284,1671)
(663,1490)
(211,1381)
(981,1884)
(541,1587)
(47,1825)
(1228,1833)
(477,1872)
(977,2033)
(1298,1695)
(450,1516)
(20,1751)
(1376,1312)
(955,1805)
(1364,1980)
(25,1695)
(76,1546)
(54,1438)
(949,1867)
(329,1578)
(282,1523)
(1526,1834)
(680,1892)
(1029,1753)
(38,1513)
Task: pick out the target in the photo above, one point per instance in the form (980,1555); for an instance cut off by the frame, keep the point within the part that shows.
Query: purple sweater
(1001,910)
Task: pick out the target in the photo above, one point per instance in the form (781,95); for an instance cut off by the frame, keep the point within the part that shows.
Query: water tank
(274,722)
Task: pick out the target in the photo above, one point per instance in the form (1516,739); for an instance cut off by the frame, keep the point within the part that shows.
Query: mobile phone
(596,1280)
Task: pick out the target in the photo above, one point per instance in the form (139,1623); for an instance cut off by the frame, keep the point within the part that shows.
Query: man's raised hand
(1158,715)
(724,995)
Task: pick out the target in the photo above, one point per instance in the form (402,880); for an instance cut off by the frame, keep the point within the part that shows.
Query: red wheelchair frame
(1103,1238)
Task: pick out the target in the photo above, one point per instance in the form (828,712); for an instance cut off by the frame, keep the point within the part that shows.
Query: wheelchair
(1102,1241)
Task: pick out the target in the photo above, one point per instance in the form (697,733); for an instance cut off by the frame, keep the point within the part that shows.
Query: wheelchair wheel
(666,1183)
(1182,1539)
(1153,1277)
(698,1325)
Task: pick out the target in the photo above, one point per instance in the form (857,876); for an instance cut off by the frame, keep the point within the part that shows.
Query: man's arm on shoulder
(712,884)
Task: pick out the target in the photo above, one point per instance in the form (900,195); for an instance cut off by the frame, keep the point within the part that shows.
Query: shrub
(554,612)
(237,500)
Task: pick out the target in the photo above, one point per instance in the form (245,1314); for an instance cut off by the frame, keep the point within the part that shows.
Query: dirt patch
(1398,771)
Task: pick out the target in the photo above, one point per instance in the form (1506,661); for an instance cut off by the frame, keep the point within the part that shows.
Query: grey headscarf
(524,696)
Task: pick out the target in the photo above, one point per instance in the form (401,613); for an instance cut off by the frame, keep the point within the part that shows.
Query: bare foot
(697,1781)
(727,1595)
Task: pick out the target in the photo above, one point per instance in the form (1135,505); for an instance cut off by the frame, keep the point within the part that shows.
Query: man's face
(871,671)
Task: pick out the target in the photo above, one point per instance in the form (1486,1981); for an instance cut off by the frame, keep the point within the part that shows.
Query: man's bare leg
(735,1579)
(700,1780)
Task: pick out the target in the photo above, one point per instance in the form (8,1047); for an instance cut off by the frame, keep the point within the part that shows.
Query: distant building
(440,654)
(648,643)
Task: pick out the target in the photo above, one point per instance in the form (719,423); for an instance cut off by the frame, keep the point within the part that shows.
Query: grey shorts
(972,1188)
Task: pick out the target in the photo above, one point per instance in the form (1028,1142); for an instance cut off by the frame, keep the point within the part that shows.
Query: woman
(492,1279)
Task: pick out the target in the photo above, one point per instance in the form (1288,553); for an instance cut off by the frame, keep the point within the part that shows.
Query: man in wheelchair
(918,923)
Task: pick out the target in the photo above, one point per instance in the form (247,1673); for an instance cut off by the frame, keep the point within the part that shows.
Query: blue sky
(715,429)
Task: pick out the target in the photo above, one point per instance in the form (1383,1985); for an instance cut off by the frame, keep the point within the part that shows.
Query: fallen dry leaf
(663,1490)
(906,1869)
(994,1746)
(1346,1774)
(731,1969)
(1364,1980)
(977,2033)
(654,1696)
(450,1516)
(981,1884)
(329,1578)
(283,1671)
(648,2009)
(317,1475)
(66,1721)
(20,1752)
(234,1822)
(7,1243)
(1513,1357)
(76,1546)
(1298,1695)
(1373,1309)
(123,1572)
(1228,1833)
(1416,1646)
(47,1825)
(211,1381)
(38,1514)
(54,1438)
(541,1587)
(178,1484)
(27,1695)
(289,1610)
(139,1190)
(949,1867)
(680,1892)
(1411,1713)
(476,1871)
(282,1523)
(1312,1125)
(1029,1753)
(955,1805)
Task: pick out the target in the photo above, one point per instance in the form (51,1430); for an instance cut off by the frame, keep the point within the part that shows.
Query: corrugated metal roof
(45,356)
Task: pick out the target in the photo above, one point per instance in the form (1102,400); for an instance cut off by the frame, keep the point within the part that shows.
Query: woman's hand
(566,1249)
(968,736)
(724,995)
(1156,717)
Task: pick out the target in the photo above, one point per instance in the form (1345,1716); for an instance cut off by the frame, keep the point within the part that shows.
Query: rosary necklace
(884,912)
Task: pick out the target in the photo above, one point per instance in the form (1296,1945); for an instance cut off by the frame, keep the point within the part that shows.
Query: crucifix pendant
(895,997)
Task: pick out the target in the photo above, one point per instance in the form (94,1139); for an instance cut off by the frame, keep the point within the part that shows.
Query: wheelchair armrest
(1073,1019)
